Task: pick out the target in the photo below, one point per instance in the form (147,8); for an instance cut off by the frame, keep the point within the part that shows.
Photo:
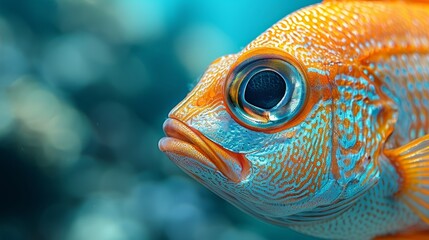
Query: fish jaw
(187,142)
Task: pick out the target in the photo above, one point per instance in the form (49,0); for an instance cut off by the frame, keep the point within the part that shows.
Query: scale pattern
(406,80)
(368,215)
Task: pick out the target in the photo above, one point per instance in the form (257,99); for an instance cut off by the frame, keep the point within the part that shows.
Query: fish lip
(186,141)
(178,140)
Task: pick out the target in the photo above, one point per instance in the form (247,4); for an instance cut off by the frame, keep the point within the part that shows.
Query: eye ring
(272,114)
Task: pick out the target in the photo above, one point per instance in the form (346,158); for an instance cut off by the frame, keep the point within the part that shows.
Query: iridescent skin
(325,172)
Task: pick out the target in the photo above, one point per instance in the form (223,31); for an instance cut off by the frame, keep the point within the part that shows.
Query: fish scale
(368,215)
(406,82)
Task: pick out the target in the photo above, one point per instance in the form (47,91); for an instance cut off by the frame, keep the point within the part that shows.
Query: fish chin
(280,213)
(193,167)
(214,181)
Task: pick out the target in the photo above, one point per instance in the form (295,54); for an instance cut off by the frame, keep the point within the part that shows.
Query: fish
(320,124)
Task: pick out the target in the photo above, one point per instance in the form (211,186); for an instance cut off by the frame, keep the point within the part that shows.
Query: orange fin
(412,163)
(419,1)
(423,235)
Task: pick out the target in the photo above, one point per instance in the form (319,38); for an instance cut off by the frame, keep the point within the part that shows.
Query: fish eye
(265,89)
(266,92)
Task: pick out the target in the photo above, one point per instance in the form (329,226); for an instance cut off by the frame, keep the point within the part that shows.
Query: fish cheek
(294,171)
(363,119)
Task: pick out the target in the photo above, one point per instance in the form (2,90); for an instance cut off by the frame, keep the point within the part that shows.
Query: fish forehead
(208,93)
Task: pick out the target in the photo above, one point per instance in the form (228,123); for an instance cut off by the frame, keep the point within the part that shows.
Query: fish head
(260,129)
(256,130)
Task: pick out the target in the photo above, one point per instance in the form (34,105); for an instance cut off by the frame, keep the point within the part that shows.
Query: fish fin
(417,235)
(417,1)
(412,163)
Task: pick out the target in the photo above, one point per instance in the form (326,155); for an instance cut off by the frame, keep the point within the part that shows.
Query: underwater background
(84,88)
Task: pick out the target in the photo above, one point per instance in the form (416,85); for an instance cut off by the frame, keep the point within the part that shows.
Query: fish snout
(184,141)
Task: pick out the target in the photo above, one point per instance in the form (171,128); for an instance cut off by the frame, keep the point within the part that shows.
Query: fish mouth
(186,141)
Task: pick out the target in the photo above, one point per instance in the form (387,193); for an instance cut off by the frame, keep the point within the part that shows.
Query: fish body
(320,124)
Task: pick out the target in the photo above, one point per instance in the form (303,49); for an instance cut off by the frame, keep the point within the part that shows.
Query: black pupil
(265,89)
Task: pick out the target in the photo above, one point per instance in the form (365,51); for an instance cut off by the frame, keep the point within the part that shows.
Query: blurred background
(84,88)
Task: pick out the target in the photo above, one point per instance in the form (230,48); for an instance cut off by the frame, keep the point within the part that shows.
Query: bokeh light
(84,88)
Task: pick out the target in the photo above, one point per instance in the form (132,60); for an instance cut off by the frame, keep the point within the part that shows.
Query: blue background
(84,88)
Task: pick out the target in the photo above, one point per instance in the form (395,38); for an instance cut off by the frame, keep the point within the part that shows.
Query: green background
(84,88)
